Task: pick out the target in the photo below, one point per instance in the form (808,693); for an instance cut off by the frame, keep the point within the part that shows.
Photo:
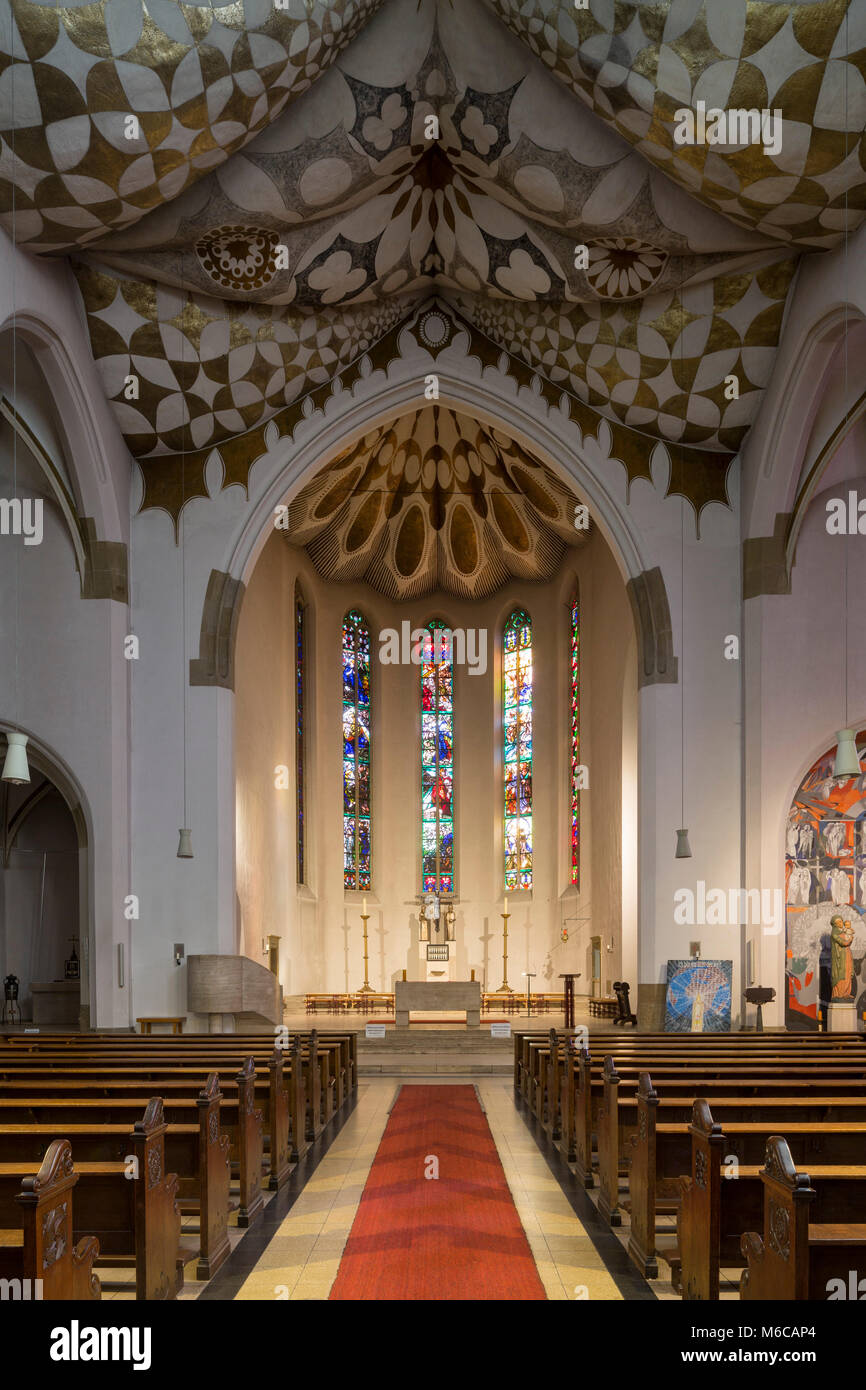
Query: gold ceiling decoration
(170,481)
(256,202)
(435,500)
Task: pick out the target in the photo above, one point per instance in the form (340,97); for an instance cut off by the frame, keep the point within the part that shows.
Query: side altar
(438,996)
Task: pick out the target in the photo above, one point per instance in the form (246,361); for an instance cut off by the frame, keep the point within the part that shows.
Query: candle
(364,908)
(505,905)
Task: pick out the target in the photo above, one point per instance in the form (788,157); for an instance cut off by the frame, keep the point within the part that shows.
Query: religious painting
(698,996)
(825,873)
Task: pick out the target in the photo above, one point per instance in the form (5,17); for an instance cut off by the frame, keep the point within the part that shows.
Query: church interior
(432,728)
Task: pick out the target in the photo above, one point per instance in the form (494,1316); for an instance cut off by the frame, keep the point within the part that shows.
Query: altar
(435,996)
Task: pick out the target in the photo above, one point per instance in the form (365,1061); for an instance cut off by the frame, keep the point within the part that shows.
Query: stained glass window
(517,725)
(300,732)
(437,760)
(575,740)
(356,751)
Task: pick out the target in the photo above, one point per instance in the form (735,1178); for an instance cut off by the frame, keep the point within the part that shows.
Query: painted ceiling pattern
(286,202)
(435,500)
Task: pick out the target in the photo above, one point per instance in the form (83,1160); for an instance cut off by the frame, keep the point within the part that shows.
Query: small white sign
(31,1030)
(375,1030)
(500,1030)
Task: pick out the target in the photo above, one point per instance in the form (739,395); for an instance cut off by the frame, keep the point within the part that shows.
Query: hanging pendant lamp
(684,849)
(847,763)
(15,768)
(184,848)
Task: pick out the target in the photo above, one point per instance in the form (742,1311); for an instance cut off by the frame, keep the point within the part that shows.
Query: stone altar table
(438,997)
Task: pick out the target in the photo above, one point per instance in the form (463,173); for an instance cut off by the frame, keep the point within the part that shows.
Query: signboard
(500,1030)
(374,1030)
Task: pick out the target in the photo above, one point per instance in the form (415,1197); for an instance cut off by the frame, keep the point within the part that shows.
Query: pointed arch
(357,821)
(517,748)
(437,759)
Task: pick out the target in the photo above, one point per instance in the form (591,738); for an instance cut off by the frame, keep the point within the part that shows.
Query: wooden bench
(280,1094)
(197,1153)
(36,1241)
(714,1211)
(796,1259)
(658,1147)
(135,1222)
(176,1024)
(237,1115)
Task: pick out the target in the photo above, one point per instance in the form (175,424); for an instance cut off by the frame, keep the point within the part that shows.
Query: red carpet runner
(457,1236)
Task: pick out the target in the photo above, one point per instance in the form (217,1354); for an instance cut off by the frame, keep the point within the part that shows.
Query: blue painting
(698,996)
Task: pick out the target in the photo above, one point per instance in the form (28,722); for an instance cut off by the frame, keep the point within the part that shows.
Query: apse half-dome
(435,500)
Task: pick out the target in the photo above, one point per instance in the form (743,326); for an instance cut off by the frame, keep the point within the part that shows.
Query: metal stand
(529,976)
(366,987)
(505,987)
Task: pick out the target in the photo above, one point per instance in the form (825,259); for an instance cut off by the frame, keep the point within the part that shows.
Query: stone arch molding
(89,511)
(586,464)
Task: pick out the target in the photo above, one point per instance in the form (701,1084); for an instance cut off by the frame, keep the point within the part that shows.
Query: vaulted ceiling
(435,501)
(282,201)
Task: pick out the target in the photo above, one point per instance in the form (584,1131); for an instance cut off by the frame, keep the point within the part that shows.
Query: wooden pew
(580,1104)
(197,1153)
(715,1212)
(134,1221)
(36,1241)
(280,1094)
(655,1141)
(796,1260)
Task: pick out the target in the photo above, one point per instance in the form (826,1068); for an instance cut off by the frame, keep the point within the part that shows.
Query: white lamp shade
(184,849)
(684,849)
(15,767)
(847,762)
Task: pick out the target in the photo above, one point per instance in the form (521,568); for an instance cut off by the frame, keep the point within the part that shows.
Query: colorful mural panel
(825,876)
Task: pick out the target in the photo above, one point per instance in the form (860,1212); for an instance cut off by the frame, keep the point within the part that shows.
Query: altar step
(422,1052)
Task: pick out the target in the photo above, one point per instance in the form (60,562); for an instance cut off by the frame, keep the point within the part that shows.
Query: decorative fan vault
(435,501)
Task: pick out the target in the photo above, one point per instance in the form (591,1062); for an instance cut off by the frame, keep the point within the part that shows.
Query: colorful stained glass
(356,752)
(517,749)
(575,741)
(437,761)
(300,733)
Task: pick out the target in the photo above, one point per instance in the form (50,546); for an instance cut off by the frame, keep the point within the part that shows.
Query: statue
(449,922)
(841,959)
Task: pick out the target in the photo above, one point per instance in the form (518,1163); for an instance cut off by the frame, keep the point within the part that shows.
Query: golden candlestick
(366,987)
(505,987)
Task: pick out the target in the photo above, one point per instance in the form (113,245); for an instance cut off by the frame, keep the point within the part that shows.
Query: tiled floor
(301,1260)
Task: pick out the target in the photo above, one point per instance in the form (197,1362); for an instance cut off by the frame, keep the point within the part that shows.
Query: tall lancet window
(356,751)
(517,727)
(300,724)
(437,760)
(574,733)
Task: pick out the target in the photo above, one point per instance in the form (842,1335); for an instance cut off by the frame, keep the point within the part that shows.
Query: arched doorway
(44,922)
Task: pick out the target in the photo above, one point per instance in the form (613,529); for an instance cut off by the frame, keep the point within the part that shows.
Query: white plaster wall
(321,927)
(796,692)
(194,901)
(68,690)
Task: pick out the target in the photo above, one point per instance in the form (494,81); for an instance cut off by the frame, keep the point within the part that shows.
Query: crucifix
(72,966)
